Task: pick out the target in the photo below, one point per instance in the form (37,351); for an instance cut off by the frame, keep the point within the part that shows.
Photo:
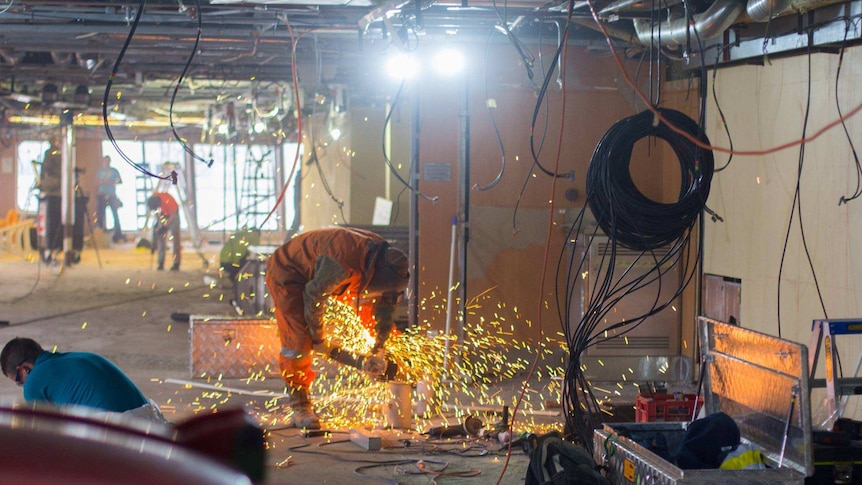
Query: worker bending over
(75,379)
(308,269)
(166,227)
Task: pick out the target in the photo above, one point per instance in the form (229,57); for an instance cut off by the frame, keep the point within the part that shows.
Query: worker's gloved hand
(374,365)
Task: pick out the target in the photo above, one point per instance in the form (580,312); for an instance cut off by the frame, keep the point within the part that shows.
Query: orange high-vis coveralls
(301,275)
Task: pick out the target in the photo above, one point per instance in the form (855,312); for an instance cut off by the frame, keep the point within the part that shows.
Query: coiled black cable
(626,215)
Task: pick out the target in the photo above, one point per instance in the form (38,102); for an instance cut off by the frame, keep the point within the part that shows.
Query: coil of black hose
(621,210)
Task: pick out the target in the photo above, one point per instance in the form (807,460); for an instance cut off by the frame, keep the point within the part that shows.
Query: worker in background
(234,253)
(75,379)
(107,179)
(166,227)
(308,269)
(50,201)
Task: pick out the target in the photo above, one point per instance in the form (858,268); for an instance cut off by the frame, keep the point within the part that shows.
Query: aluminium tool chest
(233,347)
(760,381)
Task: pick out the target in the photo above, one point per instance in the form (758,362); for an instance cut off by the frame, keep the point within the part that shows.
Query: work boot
(175,267)
(303,414)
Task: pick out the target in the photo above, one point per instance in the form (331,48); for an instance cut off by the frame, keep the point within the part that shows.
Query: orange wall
(513,234)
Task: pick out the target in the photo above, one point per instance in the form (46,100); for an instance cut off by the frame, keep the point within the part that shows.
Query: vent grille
(635,342)
(659,333)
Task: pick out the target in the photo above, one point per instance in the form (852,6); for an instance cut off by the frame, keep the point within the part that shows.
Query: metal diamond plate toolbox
(233,348)
(628,463)
(761,381)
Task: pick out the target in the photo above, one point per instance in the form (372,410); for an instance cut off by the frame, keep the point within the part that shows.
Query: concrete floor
(115,303)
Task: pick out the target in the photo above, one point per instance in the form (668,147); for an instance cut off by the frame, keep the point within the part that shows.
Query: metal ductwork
(763,10)
(712,22)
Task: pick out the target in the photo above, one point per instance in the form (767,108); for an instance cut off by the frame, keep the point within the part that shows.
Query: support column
(413,228)
(67,186)
(463,211)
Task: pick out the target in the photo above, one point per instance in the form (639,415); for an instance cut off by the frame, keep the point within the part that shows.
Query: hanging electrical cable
(825,128)
(721,112)
(858,192)
(702,112)
(541,97)
(659,232)
(388,161)
(491,105)
(312,133)
(796,209)
(527,58)
(623,212)
(529,175)
(298,109)
(199,15)
(137,166)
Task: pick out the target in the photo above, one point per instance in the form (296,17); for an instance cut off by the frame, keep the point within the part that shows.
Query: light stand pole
(413,228)
(463,210)
(67,185)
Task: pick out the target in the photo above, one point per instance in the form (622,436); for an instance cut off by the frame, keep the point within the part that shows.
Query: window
(240,189)
(30,155)
(137,187)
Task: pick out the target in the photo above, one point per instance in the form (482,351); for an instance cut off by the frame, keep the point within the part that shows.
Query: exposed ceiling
(246,48)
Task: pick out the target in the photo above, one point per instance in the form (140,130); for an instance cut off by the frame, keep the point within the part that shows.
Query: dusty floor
(115,303)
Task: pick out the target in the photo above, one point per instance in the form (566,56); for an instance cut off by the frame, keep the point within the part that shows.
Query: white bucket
(399,409)
(423,398)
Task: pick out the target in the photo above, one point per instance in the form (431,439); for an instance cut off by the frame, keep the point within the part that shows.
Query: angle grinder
(359,362)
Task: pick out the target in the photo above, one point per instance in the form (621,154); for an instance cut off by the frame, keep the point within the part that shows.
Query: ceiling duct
(634,6)
(763,10)
(711,23)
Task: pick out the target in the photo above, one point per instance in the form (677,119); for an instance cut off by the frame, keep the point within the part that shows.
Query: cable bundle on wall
(660,232)
(626,215)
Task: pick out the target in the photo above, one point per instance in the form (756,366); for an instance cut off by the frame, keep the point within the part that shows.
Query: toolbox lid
(761,381)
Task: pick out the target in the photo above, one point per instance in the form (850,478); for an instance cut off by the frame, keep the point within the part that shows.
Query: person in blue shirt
(107,179)
(74,379)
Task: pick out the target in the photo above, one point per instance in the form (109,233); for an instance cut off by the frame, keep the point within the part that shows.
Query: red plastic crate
(665,407)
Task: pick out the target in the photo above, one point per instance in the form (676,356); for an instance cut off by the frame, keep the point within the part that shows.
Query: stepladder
(824,335)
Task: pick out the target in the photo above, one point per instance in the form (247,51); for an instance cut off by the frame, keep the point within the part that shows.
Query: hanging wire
(386,159)
(623,212)
(515,228)
(199,14)
(858,192)
(298,103)
(796,209)
(527,58)
(139,167)
(541,97)
(720,111)
(490,106)
(313,158)
(658,236)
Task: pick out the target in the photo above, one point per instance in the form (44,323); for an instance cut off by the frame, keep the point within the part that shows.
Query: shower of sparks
(489,358)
